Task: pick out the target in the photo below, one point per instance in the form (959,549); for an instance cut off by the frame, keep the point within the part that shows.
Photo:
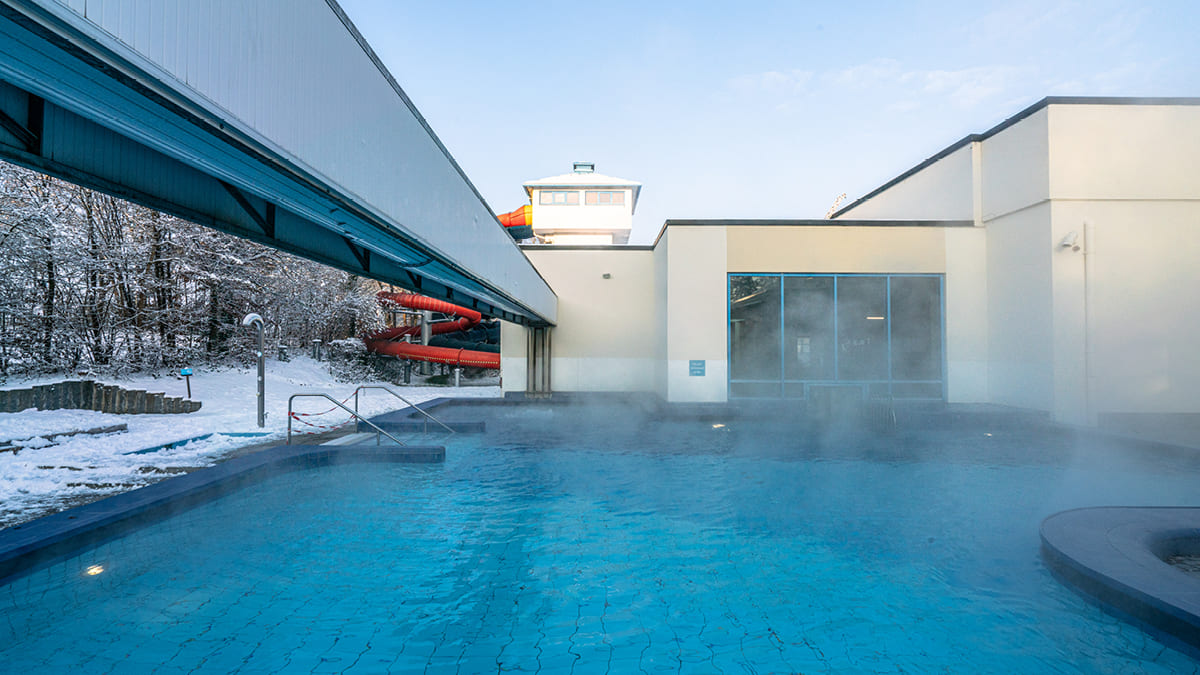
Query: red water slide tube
(382,342)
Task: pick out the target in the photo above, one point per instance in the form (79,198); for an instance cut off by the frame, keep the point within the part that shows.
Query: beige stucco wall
(605,338)
(696,292)
(966,307)
(940,191)
(836,248)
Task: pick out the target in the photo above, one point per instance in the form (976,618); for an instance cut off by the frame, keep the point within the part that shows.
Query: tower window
(559,197)
(602,197)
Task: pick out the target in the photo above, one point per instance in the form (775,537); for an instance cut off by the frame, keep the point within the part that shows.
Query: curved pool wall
(1117,556)
(27,547)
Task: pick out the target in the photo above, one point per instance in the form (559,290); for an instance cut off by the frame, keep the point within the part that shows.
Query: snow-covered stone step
(15,445)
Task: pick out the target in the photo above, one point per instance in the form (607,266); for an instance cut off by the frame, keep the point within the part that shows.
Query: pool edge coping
(1114,556)
(34,544)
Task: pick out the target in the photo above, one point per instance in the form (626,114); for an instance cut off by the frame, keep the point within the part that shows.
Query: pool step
(422,426)
(416,454)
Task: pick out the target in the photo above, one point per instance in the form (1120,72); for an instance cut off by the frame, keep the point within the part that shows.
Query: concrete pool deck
(1117,555)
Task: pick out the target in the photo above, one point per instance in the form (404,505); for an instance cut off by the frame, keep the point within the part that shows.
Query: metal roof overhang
(75,104)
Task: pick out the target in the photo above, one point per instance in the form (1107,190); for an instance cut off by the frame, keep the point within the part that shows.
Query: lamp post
(257,321)
(426,333)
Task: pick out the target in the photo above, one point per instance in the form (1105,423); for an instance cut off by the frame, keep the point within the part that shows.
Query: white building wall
(1110,328)
(512,356)
(582,216)
(1127,317)
(1124,152)
(1136,293)
(940,191)
(660,324)
(1016,213)
(1014,169)
(1020,309)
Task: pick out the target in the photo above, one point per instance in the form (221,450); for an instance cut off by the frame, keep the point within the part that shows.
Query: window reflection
(808,328)
(882,333)
(754,328)
(862,328)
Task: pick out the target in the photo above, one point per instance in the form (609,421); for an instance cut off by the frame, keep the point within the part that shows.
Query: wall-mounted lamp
(1070,241)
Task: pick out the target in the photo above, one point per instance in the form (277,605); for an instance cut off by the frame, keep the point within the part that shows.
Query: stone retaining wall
(90,395)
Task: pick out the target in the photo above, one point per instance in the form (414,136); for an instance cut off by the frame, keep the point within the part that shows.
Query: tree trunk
(48,308)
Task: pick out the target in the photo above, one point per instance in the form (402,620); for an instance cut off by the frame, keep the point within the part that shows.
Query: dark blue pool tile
(558,662)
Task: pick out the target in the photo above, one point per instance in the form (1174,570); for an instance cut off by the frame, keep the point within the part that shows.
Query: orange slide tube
(382,342)
(519,218)
(518,223)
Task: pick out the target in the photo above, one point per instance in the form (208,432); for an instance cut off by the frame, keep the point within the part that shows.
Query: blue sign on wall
(696,368)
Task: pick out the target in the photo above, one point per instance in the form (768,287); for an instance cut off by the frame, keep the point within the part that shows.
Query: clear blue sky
(757,109)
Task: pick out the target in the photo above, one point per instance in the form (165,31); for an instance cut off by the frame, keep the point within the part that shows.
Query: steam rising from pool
(625,537)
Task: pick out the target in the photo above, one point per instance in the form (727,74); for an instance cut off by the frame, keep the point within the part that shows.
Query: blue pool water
(611,542)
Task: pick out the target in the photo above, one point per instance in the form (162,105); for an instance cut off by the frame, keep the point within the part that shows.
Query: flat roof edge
(808,222)
(585,247)
(1027,112)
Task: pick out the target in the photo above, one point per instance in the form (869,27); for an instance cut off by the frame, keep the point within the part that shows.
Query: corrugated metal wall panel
(293,76)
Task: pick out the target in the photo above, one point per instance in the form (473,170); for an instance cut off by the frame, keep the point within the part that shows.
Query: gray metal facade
(271,119)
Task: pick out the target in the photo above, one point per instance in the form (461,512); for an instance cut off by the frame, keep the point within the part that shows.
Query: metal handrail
(335,402)
(406,401)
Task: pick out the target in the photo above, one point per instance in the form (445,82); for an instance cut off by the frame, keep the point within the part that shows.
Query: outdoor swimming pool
(607,540)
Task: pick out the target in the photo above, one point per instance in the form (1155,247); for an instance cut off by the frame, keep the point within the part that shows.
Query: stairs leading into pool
(416,454)
(406,421)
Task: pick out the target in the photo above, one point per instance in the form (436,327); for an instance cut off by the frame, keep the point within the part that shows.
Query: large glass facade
(791,332)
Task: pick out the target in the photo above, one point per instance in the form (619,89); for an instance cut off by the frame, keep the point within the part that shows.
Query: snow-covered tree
(89,282)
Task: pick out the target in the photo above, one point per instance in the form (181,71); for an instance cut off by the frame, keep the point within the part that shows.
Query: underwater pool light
(718,426)
(93,570)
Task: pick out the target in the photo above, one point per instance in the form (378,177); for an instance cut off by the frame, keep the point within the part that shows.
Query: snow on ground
(40,480)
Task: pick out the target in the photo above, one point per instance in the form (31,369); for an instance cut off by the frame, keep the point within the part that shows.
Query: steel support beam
(80,103)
